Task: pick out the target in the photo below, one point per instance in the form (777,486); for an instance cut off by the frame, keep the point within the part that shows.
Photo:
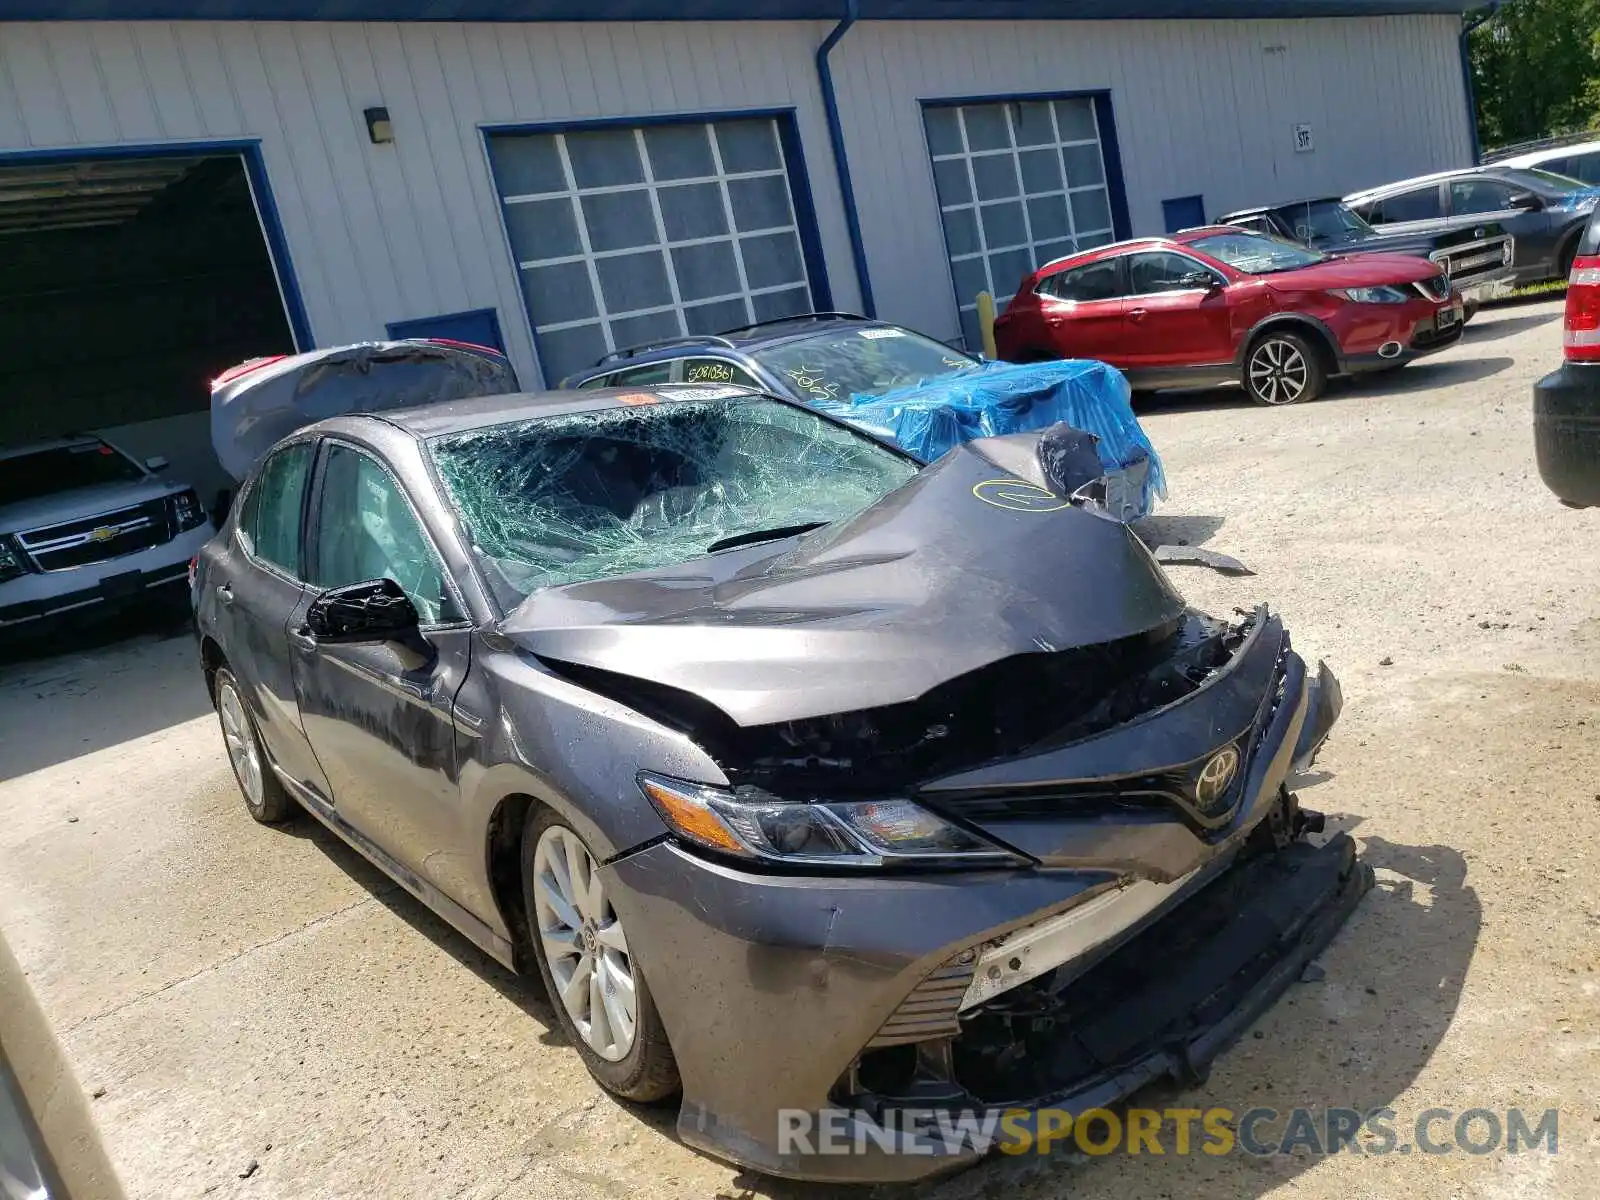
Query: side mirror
(1202,279)
(375,611)
(1526,202)
(156,463)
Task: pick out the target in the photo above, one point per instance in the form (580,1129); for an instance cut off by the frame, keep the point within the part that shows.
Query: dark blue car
(820,356)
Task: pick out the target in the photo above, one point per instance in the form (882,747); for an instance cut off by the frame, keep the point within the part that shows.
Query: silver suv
(83,524)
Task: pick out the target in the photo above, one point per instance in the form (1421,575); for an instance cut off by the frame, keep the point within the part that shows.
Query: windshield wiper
(762,535)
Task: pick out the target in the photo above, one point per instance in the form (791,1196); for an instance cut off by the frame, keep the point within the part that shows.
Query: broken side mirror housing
(1526,202)
(373,611)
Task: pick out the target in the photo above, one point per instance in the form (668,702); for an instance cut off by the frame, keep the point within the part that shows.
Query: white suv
(1579,160)
(84,524)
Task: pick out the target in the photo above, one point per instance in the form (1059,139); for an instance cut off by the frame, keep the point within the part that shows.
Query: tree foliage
(1536,70)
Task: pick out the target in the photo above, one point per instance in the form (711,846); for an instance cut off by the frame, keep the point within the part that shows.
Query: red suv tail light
(1581,337)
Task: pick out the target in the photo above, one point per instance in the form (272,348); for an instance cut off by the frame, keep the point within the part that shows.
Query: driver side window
(367,530)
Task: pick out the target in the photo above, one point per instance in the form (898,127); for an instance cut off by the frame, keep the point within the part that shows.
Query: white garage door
(1020,182)
(630,235)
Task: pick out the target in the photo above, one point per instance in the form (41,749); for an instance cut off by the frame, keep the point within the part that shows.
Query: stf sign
(1302,139)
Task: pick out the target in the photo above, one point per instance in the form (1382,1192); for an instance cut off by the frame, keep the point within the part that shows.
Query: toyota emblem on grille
(1215,778)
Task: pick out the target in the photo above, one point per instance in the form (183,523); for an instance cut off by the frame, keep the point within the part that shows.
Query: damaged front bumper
(1148,936)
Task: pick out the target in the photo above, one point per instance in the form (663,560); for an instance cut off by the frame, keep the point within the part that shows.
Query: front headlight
(1374,295)
(751,823)
(10,561)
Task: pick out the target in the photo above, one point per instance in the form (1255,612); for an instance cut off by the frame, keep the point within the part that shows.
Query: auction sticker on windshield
(873,335)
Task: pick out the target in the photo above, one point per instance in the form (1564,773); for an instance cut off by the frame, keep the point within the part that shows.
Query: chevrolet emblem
(104,534)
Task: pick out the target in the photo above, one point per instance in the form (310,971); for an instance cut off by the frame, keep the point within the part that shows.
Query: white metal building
(180,193)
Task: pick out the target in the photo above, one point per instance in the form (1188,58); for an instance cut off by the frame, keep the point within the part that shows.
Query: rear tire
(1283,368)
(570,920)
(265,798)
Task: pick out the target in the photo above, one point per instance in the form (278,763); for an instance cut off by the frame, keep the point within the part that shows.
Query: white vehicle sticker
(873,335)
(692,391)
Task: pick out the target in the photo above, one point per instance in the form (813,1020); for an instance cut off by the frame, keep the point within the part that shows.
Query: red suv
(1220,304)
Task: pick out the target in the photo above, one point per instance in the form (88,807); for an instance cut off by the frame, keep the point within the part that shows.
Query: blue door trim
(255,167)
(805,213)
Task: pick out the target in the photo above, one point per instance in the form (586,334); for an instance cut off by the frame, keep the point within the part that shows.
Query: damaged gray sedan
(807,777)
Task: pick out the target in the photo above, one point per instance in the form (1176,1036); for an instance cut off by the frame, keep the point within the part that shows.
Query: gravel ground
(268,1017)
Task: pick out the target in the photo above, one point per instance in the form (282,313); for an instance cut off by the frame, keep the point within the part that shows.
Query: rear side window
(1420,205)
(656,372)
(269,526)
(1581,166)
(1093,281)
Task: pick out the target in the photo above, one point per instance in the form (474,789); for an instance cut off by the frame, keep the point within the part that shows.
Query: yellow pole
(986,323)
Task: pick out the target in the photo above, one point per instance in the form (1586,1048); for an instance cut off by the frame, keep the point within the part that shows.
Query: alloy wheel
(240,736)
(1278,372)
(584,945)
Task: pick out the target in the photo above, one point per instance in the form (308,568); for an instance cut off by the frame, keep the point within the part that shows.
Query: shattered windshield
(581,496)
(860,360)
(1256,254)
(1324,221)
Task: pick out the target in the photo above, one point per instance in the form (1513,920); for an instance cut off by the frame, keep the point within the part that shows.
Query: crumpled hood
(968,563)
(82,502)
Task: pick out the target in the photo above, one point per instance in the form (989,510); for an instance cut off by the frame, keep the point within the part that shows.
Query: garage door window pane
(951,182)
(693,211)
(706,270)
(558,293)
(638,331)
(679,152)
(961,231)
(1083,165)
(619,220)
(543,228)
(724,314)
(633,281)
(749,146)
(1075,120)
(986,127)
(771,259)
(769,306)
(995,175)
(760,203)
(527,164)
(1038,188)
(1031,124)
(667,229)
(944,131)
(604,158)
(1002,225)
(1090,210)
(563,351)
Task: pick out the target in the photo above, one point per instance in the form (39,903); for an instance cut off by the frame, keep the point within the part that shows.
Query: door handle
(1054,322)
(1136,314)
(225,593)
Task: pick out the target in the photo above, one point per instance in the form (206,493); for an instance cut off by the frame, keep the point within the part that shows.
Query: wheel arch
(1314,331)
(211,659)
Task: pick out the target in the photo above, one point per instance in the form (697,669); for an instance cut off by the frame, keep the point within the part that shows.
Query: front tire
(265,798)
(1283,368)
(597,989)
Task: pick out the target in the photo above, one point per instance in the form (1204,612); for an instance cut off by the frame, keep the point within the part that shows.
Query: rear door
(1171,320)
(1082,309)
(379,714)
(258,592)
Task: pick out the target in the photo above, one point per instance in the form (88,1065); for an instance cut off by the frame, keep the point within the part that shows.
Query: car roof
(1488,170)
(483,412)
(1258,209)
(741,340)
(1536,158)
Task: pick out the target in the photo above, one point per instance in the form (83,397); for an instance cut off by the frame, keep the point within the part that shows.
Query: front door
(1173,321)
(379,713)
(1082,311)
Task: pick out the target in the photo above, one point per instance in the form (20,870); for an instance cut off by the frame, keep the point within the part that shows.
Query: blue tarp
(998,398)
